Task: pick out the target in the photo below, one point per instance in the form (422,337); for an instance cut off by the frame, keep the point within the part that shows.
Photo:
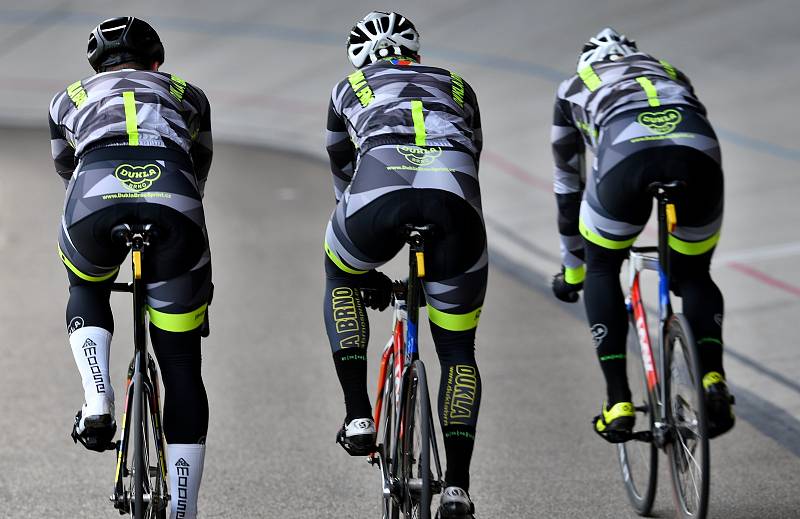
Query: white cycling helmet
(382,35)
(607,44)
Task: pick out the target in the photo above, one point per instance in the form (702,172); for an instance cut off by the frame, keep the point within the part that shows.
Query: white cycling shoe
(94,425)
(357,437)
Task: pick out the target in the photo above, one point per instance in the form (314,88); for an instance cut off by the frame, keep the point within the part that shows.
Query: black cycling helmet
(122,39)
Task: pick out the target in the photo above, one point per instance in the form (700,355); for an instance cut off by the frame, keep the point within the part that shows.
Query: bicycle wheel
(688,450)
(639,460)
(138,443)
(147,484)
(416,441)
(390,505)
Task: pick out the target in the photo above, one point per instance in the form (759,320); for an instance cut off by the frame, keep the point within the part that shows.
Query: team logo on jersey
(137,178)
(660,122)
(419,156)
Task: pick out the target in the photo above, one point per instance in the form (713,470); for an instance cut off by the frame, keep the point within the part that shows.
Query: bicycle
(671,395)
(144,494)
(402,406)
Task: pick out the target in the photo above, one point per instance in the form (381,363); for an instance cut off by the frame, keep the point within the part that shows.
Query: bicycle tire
(688,451)
(390,506)
(638,460)
(416,445)
(138,444)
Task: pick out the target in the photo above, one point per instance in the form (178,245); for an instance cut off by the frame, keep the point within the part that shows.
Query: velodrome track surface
(268,69)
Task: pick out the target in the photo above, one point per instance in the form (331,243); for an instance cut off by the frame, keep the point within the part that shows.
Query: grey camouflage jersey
(399,102)
(585,105)
(130,108)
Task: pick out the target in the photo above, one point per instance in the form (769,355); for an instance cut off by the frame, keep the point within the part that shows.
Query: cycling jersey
(399,102)
(130,108)
(616,108)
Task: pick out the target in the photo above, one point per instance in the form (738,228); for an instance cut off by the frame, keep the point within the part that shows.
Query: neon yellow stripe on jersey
(85,277)
(457,89)
(590,78)
(650,90)
(601,241)
(339,263)
(360,87)
(130,118)
(77,94)
(420,134)
(177,322)
(693,248)
(669,69)
(177,87)
(454,322)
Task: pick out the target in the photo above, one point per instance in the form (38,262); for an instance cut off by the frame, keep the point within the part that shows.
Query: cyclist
(644,123)
(404,142)
(133,145)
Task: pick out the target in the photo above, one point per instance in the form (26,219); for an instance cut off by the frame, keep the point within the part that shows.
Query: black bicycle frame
(142,382)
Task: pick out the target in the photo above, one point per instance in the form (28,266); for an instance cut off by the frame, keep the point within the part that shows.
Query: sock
(90,348)
(351,368)
(185,468)
(614,371)
(458,444)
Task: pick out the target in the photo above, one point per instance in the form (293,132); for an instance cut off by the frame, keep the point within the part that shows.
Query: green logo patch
(419,156)
(660,122)
(137,178)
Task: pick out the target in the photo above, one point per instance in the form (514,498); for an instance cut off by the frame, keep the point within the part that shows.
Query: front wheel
(639,460)
(415,444)
(688,450)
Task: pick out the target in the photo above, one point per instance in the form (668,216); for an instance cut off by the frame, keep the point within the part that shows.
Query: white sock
(185,467)
(90,348)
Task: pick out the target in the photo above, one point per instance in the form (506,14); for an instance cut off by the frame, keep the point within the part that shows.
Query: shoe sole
(102,421)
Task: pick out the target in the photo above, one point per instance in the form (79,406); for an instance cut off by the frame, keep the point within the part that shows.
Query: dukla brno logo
(660,122)
(137,178)
(419,156)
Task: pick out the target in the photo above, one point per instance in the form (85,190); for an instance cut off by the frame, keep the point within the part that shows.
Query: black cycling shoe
(95,432)
(455,503)
(719,404)
(358,437)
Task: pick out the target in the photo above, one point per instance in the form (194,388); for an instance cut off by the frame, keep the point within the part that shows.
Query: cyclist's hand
(377,290)
(566,292)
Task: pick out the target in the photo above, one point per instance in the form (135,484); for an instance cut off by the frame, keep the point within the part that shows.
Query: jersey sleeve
(568,184)
(475,121)
(202,149)
(61,149)
(341,151)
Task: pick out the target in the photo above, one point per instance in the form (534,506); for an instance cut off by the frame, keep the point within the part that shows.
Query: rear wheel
(416,442)
(390,504)
(688,450)
(138,443)
(639,460)
(147,484)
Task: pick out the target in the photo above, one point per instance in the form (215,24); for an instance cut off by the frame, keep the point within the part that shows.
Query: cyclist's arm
(471,100)
(202,148)
(62,150)
(568,182)
(341,151)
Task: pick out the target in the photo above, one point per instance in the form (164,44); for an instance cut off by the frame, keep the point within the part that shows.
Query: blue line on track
(317,37)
